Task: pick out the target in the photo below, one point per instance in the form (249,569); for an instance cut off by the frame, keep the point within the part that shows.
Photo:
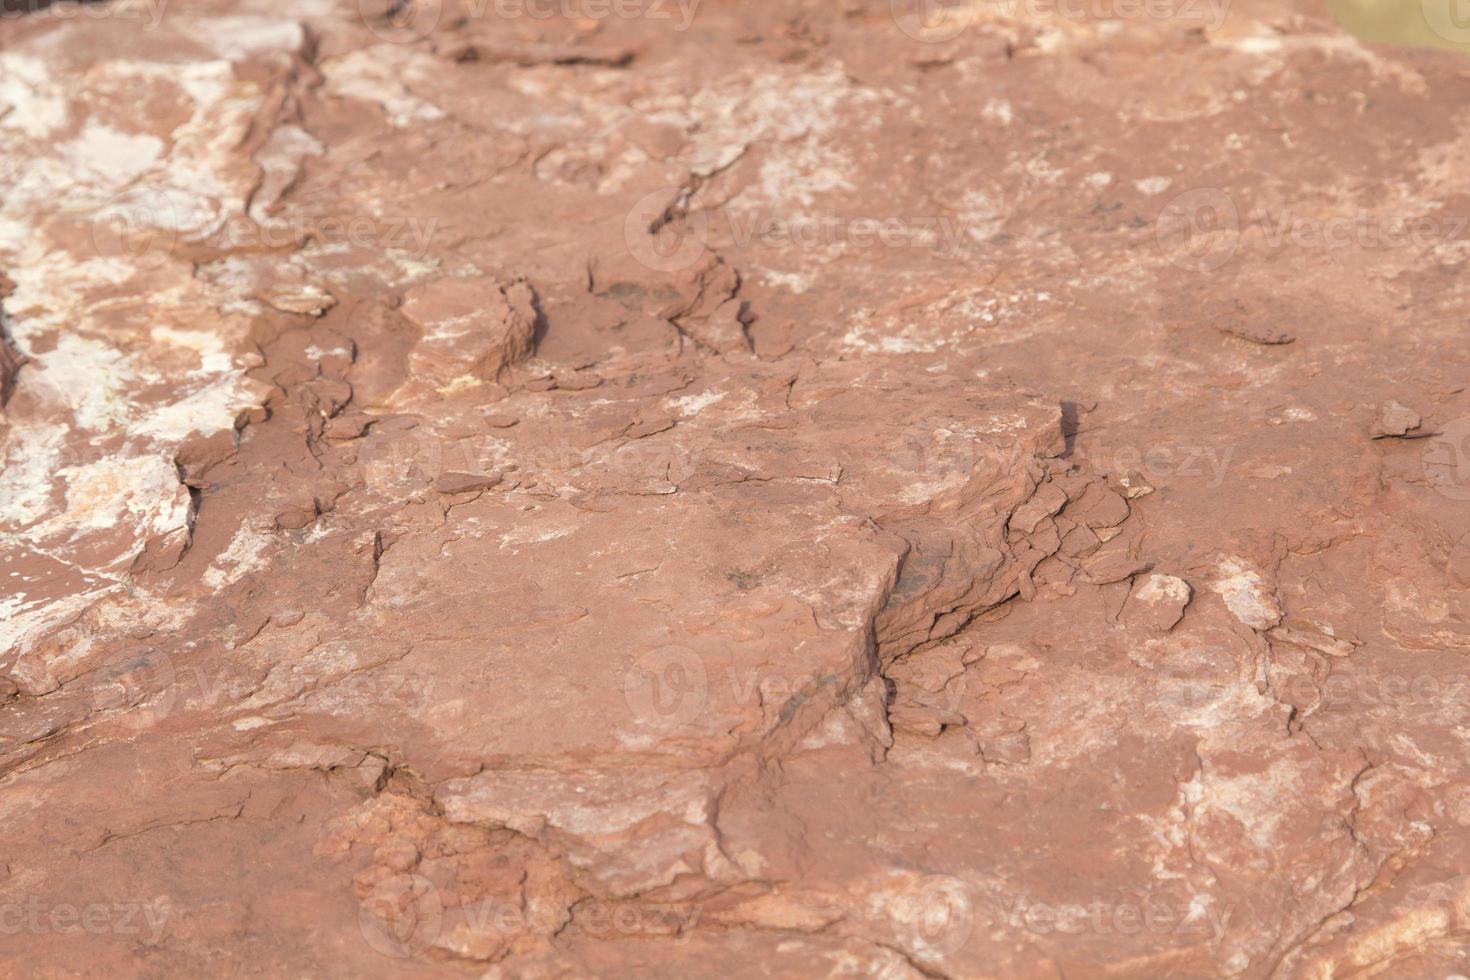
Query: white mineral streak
(106,311)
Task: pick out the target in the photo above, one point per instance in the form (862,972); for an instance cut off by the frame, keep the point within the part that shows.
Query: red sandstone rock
(1395,419)
(933,529)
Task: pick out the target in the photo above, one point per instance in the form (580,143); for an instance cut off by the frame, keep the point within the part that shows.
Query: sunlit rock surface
(513,490)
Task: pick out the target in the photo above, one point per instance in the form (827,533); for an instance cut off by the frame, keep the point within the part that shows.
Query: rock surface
(510,490)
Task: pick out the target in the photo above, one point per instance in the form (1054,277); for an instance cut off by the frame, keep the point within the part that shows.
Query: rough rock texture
(495,490)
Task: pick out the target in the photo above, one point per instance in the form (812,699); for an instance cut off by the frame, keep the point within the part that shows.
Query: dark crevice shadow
(1069,427)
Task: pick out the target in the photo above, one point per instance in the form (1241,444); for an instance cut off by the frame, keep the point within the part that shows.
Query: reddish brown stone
(895,572)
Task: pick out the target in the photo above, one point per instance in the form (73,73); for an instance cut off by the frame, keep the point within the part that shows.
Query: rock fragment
(1331,646)
(346,426)
(1396,420)
(1247,595)
(1112,563)
(1157,602)
(1099,508)
(1048,500)
(294,518)
(465,482)
(577,381)
(1003,741)
(1134,485)
(473,327)
(922,719)
(303,300)
(650,425)
(1080,541)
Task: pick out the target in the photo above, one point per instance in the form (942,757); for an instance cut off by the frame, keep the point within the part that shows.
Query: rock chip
(1395,420)
(1247,594)
(1157,602)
